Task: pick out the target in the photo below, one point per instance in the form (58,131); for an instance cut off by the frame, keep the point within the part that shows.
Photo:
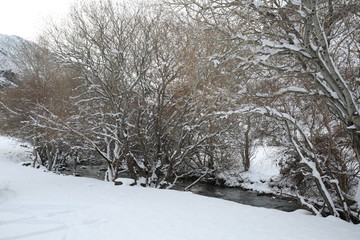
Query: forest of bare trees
(187,88)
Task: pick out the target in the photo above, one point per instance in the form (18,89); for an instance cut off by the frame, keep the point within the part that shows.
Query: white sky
(26,18)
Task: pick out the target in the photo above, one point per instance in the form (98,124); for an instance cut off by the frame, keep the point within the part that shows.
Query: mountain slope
(9,46)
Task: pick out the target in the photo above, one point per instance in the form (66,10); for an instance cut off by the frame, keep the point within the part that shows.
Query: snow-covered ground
(263,166)
(35,204)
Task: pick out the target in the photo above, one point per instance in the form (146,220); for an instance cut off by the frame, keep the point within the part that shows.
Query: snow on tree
(294,53)
(135,105)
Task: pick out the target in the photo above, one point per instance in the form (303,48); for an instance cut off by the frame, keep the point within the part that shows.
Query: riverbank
(21,152)
(36,205)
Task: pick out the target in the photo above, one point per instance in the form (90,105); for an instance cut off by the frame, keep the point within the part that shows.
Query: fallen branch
(196,181)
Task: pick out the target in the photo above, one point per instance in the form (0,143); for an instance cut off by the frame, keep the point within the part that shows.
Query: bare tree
(292,48)
(41,82)
(136,105)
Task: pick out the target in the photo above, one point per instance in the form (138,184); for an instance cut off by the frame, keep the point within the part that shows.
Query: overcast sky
(26,18)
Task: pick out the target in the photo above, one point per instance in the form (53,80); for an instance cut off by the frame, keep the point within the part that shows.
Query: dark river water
(242,196)
(232,194)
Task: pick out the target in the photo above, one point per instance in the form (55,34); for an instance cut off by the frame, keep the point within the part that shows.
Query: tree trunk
(247,145)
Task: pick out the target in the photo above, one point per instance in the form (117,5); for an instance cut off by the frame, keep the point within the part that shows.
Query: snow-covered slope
(14,150)
(9,45)
(263,167)
(36,205)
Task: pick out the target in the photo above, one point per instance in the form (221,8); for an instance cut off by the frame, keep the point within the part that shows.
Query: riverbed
(227,193)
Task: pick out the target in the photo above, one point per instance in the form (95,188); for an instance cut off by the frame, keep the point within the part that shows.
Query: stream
(242,196)
(232,194)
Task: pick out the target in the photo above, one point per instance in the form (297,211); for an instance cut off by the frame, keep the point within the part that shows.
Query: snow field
(39,205)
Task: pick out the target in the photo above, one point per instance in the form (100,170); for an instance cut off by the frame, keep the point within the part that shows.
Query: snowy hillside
(36,205)
(8,46)
(13,150)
